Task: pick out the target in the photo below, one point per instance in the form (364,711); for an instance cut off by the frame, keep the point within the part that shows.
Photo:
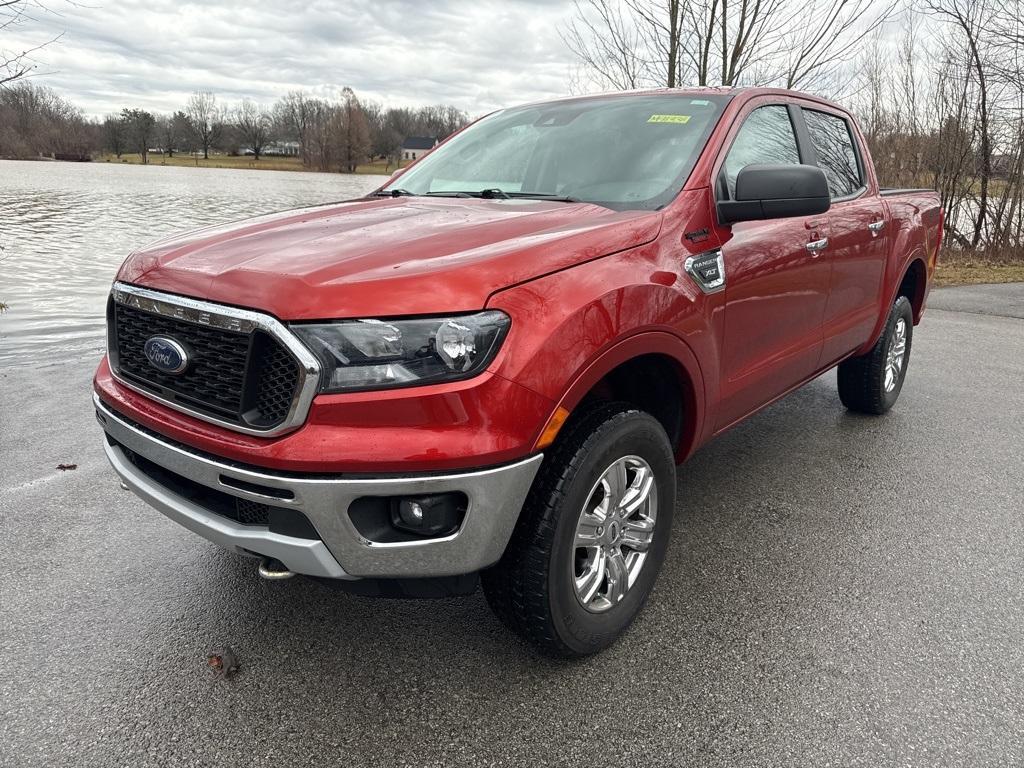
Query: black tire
(862,380)
(531,589)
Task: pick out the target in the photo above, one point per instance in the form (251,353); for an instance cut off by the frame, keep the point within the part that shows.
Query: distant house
(415,147)
(276,149)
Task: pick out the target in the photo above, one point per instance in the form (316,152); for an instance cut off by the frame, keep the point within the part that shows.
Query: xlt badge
(707,270)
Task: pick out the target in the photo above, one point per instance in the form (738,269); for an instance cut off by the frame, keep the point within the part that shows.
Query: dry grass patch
(967,268)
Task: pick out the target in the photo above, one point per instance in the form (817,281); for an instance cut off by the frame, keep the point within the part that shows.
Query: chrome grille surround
(227,318)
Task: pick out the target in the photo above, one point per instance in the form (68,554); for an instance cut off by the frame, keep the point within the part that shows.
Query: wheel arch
(914,285)
(677,402)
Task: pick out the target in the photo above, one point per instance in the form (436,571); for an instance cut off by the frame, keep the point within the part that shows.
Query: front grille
(277,377)
(245,378)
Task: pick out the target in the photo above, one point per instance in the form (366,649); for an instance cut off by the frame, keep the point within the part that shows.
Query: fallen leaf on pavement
(223,662)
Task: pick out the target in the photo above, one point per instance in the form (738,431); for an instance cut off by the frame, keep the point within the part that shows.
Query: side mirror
(776,192)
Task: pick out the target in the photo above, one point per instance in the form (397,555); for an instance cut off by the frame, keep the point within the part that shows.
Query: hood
(392,256)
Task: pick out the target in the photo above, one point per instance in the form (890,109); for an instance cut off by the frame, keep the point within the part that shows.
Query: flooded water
(65,228)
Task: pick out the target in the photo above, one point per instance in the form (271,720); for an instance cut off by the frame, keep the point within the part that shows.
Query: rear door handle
(876,226)
(817,246)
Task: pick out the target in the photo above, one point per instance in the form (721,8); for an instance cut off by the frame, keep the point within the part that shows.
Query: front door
(777,281)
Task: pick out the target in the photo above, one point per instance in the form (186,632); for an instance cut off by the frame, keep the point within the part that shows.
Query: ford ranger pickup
(486,371)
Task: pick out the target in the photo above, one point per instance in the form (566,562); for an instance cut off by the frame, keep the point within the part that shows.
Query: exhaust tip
(274,570)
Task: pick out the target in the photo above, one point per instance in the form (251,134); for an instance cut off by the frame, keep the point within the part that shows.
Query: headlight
(377,354)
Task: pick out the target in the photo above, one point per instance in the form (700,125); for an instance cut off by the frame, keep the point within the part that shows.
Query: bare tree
(605,38)
(439,121)
(16,64)
(318,135)
(114,138)
(171,130)
(828,33)
(140,127)
(969,17)
(292,116)
(206,119)
(351,132)
(634,43)
(253,124)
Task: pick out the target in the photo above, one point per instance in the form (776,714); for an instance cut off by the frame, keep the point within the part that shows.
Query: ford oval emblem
(166,355)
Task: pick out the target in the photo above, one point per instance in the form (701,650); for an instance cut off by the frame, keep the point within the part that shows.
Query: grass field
(229,161)
(966,272)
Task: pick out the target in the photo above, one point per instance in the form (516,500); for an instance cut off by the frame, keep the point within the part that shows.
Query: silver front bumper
(495,498)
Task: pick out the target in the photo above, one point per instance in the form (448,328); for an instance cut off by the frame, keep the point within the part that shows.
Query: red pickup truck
(487,370)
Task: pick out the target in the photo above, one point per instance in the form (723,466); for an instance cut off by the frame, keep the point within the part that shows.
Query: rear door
(776,282)
(857,243)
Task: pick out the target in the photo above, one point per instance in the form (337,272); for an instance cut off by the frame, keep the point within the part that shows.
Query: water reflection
(65,228)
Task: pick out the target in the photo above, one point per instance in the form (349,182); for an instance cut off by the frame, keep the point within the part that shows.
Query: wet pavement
(840,590)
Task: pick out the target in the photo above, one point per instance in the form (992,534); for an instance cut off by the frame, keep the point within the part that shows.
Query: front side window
(623,152)
(766,137)
(833,144)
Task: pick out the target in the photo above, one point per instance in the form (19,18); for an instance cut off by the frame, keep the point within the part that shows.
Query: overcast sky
(475,54)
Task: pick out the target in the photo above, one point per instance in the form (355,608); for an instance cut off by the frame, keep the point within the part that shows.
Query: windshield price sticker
(669,119)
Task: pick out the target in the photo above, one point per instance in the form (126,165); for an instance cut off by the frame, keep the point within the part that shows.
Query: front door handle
(817,246)
(876,226)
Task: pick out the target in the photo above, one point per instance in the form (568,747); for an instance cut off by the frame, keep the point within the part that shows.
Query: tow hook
(274,570)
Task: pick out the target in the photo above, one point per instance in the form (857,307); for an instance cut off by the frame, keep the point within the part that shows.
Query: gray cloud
(476,54)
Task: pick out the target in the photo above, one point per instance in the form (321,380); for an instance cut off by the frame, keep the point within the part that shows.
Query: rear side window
(766,137)
(833,145)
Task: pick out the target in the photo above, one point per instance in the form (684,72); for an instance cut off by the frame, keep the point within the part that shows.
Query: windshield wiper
(493,193)
(546,196)
(487,194)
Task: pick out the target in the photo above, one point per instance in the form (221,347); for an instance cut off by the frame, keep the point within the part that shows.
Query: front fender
(569,329)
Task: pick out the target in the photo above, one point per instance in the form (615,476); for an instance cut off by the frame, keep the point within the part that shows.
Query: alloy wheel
(613,533)
(897,351)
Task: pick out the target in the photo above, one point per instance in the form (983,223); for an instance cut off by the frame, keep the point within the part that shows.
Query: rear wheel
(592,534)
(871,383)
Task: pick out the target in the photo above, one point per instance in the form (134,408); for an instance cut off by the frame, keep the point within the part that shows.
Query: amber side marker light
(547,437)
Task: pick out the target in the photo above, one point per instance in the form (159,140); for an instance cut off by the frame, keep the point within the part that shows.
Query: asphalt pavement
(840,591)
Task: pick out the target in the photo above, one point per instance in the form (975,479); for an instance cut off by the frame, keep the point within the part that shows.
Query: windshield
(632,152)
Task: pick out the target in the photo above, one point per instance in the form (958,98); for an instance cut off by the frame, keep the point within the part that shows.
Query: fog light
(435,515)
(411,512)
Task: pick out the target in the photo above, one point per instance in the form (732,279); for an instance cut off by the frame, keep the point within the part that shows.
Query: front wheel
(872,382)
(592,535)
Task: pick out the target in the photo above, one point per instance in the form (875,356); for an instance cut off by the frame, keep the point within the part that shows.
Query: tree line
(947,111)
(326,134)
(938,85)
